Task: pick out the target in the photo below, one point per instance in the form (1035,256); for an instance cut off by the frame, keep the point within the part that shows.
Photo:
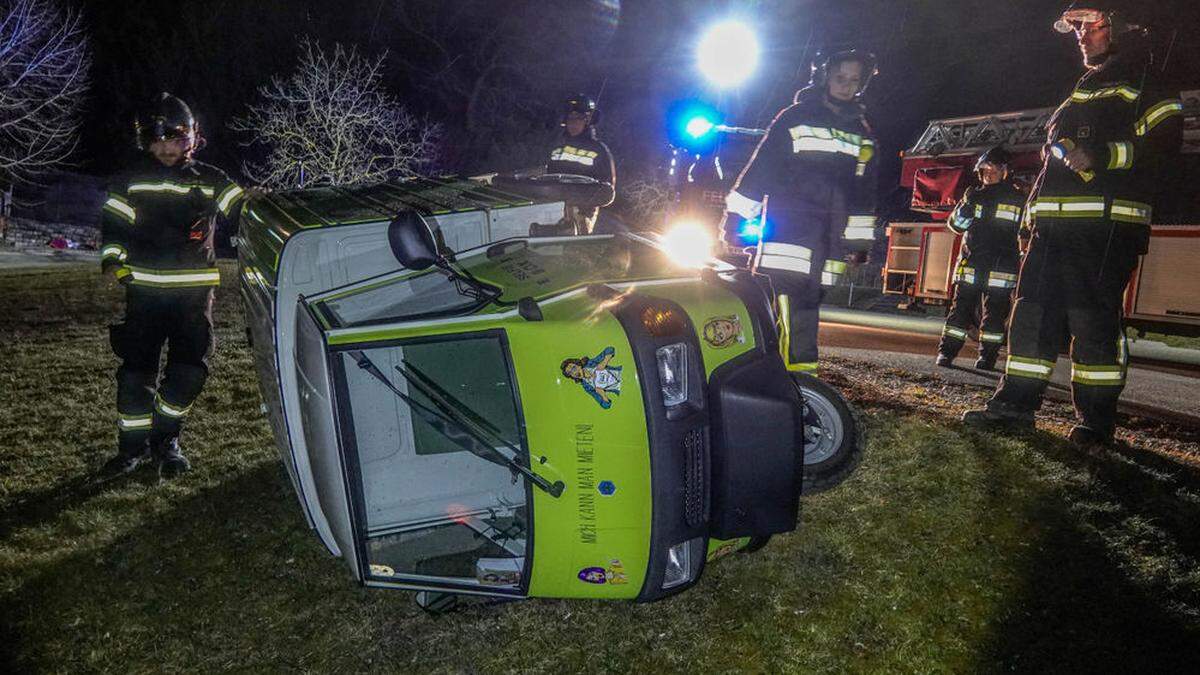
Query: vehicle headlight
(679,565)
(672,373)
(689,244)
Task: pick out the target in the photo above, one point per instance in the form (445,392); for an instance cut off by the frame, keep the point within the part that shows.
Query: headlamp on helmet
(166,118)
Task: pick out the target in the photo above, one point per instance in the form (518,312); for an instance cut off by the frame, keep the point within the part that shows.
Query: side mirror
(412,241)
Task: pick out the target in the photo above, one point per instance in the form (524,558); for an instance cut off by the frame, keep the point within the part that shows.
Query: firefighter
(986,274)
(579,152)
(1091,214)
(157,230)
(810,190)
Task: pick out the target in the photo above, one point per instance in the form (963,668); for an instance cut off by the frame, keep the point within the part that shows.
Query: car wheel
(833,438)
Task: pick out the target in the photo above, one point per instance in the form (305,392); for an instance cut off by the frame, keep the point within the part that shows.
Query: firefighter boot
(126,461)
(945,360)
(999,415)
(1085,437)
(171,462)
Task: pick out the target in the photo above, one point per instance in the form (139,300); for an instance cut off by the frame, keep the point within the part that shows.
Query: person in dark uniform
(810,185)
(157,229)
(989,217)
(1091,214)
(580,153)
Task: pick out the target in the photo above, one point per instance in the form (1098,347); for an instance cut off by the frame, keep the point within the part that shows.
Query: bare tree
(332,123)
(44,61)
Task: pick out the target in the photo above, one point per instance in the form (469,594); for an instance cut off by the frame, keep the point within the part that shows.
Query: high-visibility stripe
(954,332)
(1069,207)
(114,251)
(958,222)
(1019,366)
(993,338)
(1002,280)
(169,410)
(1008,212)
(1124,91)
(781,256)
(860,228)
(120,208)
(171,188)
(1123,351)
(122,272)
(568,153)
(965,274)
(227,198)
(1131,212)
(175,278)
(742,205)
(824,139)
(1156,114)
(1097,375)
(832,273)
(865,155)
(783,324)
(806,367)
(133,422)
(1120,156)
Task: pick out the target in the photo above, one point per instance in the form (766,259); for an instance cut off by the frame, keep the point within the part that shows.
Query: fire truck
(1164,295)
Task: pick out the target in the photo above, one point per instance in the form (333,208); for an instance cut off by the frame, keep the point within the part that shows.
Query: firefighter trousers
(1070,290)
(969,300)
(151,409)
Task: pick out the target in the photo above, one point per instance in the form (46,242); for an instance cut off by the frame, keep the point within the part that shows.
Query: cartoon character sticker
(599,378)
(616,573)
(593,575)
(723,331)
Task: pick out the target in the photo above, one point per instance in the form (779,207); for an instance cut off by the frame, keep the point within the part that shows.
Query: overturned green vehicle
(464,409)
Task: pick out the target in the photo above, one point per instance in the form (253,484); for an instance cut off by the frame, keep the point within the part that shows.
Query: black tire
(833,445)
(578,190)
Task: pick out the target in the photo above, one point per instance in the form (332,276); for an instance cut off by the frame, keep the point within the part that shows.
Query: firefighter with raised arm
(989,217)
(810,189)
(581,153)
(1091,215)
(157,230)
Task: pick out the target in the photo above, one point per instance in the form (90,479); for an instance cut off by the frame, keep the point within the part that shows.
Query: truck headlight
(672,373)
(679,565)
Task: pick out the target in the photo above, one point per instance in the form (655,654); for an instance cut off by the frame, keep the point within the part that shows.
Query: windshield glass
(424,294)
(433,507)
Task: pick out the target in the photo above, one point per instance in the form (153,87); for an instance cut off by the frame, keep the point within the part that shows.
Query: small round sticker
(607,488)
(593,575)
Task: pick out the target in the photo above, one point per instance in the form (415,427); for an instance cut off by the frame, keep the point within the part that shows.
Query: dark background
(492,72)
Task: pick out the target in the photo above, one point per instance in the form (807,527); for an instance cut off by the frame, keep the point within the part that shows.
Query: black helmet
(1120,15)
(165,117)
(997,155)
(824,63)
(579,103)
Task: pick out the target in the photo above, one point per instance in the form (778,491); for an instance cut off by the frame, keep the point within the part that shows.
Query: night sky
(938,58)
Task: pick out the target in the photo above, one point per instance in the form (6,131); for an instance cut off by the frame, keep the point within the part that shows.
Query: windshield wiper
(447,421)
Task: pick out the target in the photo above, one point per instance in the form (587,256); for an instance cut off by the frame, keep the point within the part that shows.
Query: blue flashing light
(699,126)
(693,125)
(751,231)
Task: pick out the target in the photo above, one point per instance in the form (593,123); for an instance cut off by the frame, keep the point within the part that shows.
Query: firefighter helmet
(824,63)
(996,155)
(582,104)
(165,117)
(1117,12)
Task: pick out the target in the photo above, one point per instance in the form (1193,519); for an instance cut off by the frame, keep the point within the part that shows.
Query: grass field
(949,550)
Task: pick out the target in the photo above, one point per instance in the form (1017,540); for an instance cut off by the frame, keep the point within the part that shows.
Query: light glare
(728,54)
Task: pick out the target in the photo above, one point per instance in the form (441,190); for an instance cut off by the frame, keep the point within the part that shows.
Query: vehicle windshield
(435,505)
(401,297)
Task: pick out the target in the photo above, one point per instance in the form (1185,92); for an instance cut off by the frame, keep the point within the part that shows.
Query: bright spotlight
(728,54)
(698,126)
(689,244)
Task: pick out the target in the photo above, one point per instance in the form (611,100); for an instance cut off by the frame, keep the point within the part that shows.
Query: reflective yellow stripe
(120,208)
(171,188)
(832,273)
(1126,92)
(965,274)
(783,325)
(824,139)
(175,278)
(1069,207)
(169,410)
(569,153)
(1120,156)
(1008,212)
(114,251)
(954,332)
(1037,369)
(227,197)
(132,422)
(780,256)
(1131,212)
(122,272)
(1156,115)
(1097,375)
(807,367)
(865,155)
(860,228)
(993,338)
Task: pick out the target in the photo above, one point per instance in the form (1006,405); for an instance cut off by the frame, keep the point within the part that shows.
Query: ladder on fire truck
(1022,130)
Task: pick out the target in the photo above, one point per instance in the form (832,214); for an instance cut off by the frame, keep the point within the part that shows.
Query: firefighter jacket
(815,171)
(583,155)
(989,218)
(158,223)
(1130,127)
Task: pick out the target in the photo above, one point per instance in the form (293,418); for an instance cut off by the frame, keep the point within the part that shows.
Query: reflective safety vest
(158,224)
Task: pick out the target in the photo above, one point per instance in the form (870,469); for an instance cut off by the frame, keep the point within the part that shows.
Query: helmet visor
(158,129)
(1077,19)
